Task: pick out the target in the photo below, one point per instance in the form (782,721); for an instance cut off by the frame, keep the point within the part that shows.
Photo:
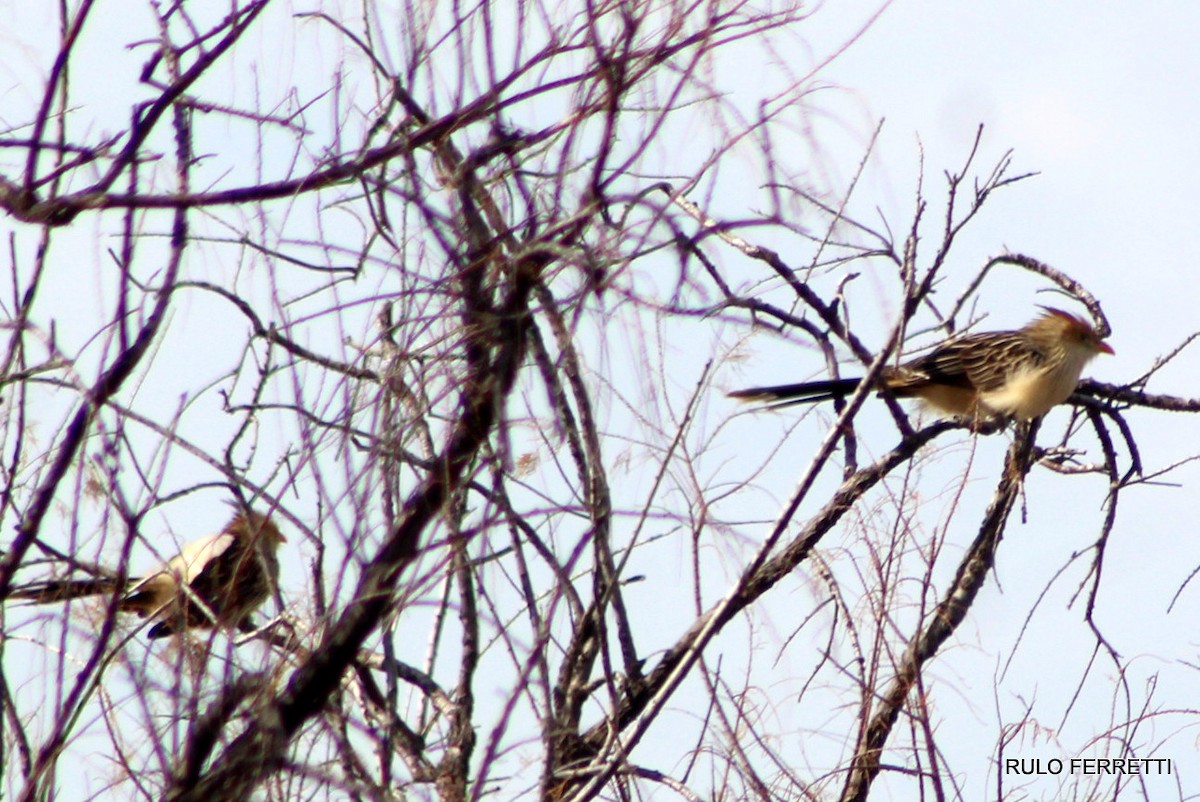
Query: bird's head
(1069,330)
(256,526)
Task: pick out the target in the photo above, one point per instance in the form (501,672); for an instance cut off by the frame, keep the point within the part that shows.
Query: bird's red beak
(1104,348)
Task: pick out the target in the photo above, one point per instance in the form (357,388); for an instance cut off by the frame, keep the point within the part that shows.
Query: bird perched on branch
(1009,374)
(214,581)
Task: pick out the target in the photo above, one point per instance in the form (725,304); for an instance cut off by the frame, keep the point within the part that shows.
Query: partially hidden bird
(219,580)
(1017,374)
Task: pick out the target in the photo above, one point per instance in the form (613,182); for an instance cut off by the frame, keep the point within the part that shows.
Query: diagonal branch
(640,708)
(950,613)
(260,749)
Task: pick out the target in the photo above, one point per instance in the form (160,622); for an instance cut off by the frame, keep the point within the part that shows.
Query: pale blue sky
(1100,98)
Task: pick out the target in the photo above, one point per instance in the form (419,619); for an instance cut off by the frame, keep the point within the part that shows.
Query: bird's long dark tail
(59,590)
(786,395)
